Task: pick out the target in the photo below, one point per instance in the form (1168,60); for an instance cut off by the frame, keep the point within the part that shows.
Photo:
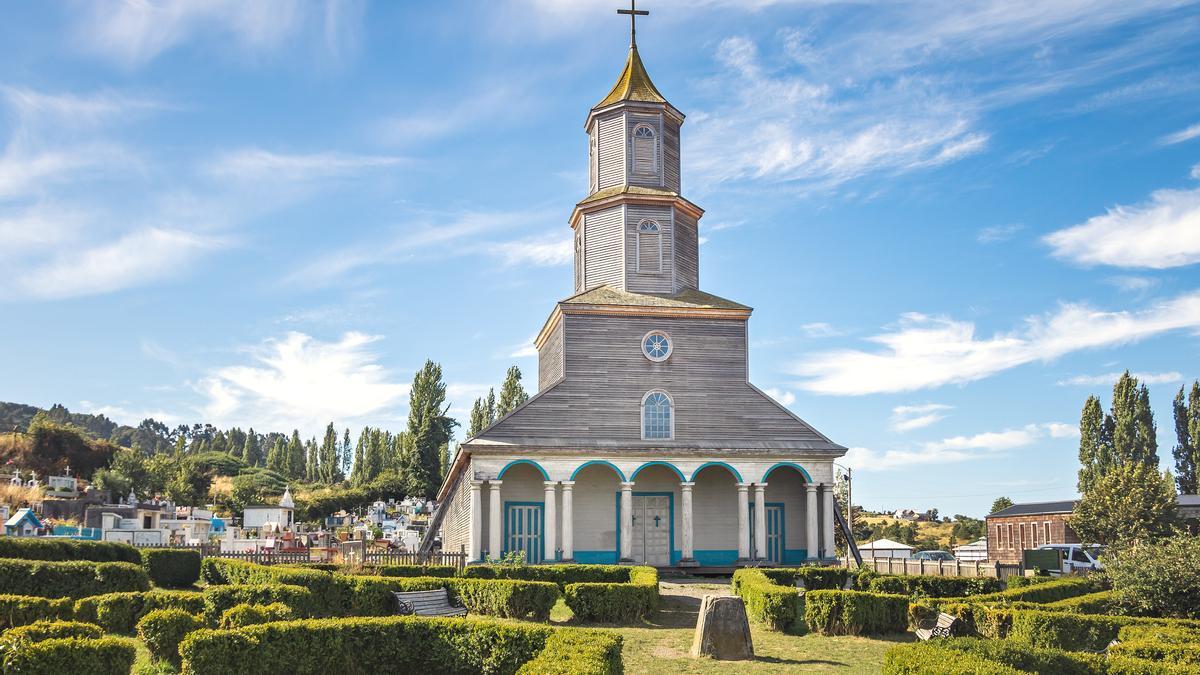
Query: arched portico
(715,505)
(590,521)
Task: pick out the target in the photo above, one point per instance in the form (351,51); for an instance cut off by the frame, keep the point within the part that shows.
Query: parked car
(935,556)
(1077,557)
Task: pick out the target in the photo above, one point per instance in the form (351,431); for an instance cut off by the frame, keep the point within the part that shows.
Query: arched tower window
(658,416)
(649,246)
(645,151)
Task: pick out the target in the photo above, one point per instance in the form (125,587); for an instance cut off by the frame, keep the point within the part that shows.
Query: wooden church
(646,442)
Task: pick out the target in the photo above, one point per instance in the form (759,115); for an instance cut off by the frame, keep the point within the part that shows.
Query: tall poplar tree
(1187,435)
(277,459)
(478,421)
(512,394)
(1094,458)
(251,450)
(429,428)
(489,407)
(347,453)
(356,472)
(329,467)
(297,461)
(1134,435)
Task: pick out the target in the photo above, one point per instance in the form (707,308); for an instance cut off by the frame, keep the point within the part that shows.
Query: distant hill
(21,414)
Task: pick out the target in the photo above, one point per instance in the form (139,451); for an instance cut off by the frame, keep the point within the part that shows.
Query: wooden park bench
(427,603)
(944,628)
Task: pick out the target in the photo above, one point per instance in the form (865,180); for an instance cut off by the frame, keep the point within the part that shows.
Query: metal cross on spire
(633,13)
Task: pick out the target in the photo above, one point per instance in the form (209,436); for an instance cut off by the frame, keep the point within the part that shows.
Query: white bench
(427,603)
(944,628)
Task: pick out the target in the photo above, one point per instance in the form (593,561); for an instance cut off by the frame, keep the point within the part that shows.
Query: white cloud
(784,397)
(910,417)
(1133,284)
(122,414)
(955,449)
(1196,172)
(923,352)
(819,329)
(254,164)
(1162,233)
(525,350)
(300,382)
(538,252)
(1108,379)
(1181,136)
(997,233)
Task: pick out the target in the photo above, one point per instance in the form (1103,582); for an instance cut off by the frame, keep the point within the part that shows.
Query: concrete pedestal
(723,630)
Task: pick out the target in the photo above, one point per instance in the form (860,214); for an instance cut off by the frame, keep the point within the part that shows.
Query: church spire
(634,83)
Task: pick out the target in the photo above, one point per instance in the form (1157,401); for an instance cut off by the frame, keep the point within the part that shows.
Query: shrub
(933,587)
(559,574)
(1178,635)
(102,656)
(1022,582)
(971,655)
(855,612)
(172,567)
(70,579)
(375,644)
(61,550)
(1077,632)
(815,577)
(1183,654)
(163,629)
(779,606)
(615,602)
(119,612)
(1050,591)
(252,615)
(47,630)
(1127,665)
(1158,579)
(509,598)
(573,652)
(218,599)
(936,659)
(328,594)
(1100,602)
(20,610)
(372,596)
(415,570)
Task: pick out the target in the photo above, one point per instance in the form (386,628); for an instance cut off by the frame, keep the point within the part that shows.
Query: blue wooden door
(775,538)
(523,527)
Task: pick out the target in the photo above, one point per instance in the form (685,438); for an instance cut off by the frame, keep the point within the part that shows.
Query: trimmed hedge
(47,630)
(615,602)
(1078,632)
(933,587)
(855,613)
(21,610)
(989,622)
(815,577)
(779,606)
(74,579)
(559,574)
(103,656)
(1049,591)
(1177,635)
(163,629)
(1101,602)
(1022,582)
(329,597)
(381,644)
(1182,654)
(935,658)
(62,550)
(218,599)
(509,598)
(971,655)
(413,570)
(172,567)
(252,615)
(120,612)
(571,651)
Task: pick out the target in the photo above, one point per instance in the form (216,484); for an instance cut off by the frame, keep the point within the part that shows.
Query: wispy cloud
(539,252)
(910,417)
(955,449)
(783,396)
(819,329)
(1108,379)
(298,381)
(1181,136)
(525,350)
(997,233)
(1161,233)
(255,164)
(924,352)
(1129,283)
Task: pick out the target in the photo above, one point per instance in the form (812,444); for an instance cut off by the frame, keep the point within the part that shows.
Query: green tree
(1134,436)
(489,408)
(1094,457)
(251,449)
(429,429)
(277,457)
(1187,434)
(297,461)
(512,394)
(1000,504)
(356,471)
(347,454)
(220,443)
(329,466)
(1132,502)
(1159,579)
(478,418)
(312,464)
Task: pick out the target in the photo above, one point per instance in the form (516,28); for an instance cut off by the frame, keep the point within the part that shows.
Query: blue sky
(955,220)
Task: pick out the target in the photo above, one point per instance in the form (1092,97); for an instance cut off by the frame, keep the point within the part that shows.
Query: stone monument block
(723,630)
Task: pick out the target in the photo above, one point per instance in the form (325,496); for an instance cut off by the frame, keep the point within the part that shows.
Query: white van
(1077,557)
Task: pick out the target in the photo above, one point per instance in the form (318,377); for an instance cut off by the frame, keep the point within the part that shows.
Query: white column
(568,525)
(760,521)
(743,513)
(551,511)
(828,548)
(627,522)
(495,520)
(476,534)
(810,525)
(685,491)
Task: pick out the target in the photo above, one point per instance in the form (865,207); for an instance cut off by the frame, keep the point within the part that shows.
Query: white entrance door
(652,530)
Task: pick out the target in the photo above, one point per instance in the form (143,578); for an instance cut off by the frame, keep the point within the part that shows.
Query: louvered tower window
(649,246)
(645,151)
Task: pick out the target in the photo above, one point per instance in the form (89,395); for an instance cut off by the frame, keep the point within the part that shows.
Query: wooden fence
(943,568)
(357,553)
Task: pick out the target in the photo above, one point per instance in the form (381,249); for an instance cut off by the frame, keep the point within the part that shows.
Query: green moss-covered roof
(690,298)
(634,84)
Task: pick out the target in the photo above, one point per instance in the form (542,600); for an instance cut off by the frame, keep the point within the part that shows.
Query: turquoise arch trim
(732,470)
(588,463)
(545,476)
(669,465)
(802,470)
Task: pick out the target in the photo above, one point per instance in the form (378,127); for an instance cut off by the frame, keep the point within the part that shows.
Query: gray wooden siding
(687,251)
(610,148)
(636,279)
(604,249)
(550,358)
(670,155)
(598,404)
(653,121)
(456,526)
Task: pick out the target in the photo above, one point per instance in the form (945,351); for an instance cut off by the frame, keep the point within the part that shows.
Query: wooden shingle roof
(634,84)
(686,299)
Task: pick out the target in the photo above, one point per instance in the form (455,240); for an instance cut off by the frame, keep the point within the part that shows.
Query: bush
(933,587)
(1100,602)
(61,550)
(1022,582)
(1050,591)
(779,606)
(377,644)
(172,567)
(221,598)
(1127,665)
(1077,632)
(328,594)
(574,652)
(119,612)
(1182,654)
(70,579)
(815,577)
(1177,635)
(252,615)
(102,656)
(163,629)
(414,570)
(1159,579)
(559,574)
(372,596)
(855,612)
(508,598)
(21,610)
(47,630)
(615,602)
(970,655)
